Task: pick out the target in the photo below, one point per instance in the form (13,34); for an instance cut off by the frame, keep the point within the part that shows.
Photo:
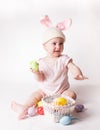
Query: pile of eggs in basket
(60,101)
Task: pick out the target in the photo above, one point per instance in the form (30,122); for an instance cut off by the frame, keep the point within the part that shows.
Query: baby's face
(54,47)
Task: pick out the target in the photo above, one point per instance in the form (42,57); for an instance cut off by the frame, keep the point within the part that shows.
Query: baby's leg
(34,98)
(70,93)
(32,101)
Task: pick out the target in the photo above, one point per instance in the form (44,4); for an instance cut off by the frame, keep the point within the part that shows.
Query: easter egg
(40,103)
(40,110)
(60,101)
(34,65)
(79,108)
(31,111)
(65,120)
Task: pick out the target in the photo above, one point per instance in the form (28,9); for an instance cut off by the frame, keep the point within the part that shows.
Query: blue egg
(65,120)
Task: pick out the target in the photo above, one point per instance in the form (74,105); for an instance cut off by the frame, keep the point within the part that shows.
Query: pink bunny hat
(53,32)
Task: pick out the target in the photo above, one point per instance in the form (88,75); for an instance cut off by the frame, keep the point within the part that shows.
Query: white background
(20,34)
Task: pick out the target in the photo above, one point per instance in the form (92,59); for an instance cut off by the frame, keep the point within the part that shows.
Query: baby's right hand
(34,66)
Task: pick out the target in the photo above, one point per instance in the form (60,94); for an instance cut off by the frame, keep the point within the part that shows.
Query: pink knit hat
(53,32)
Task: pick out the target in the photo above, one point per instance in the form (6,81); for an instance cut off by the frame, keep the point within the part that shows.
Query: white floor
(87,95)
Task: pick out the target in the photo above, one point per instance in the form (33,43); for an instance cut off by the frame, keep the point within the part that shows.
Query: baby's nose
(57,46)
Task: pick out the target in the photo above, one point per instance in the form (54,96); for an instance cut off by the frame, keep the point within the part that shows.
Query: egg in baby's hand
(60,101)
(34,65)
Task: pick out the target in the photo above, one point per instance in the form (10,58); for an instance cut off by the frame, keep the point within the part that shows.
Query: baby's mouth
(57,51)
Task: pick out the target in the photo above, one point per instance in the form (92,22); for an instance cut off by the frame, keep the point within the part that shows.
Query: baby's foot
(20,109)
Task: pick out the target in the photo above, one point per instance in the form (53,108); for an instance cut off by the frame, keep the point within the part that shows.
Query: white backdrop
(20,33)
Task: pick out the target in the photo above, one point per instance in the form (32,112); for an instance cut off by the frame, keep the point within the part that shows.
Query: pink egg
(31,111)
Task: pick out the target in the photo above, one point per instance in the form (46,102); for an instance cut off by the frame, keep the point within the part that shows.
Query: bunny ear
(46,21)
(64,25)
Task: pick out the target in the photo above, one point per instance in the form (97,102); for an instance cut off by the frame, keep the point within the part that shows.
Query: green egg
(34,65)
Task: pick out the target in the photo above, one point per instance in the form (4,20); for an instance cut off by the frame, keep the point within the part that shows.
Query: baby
(52,72)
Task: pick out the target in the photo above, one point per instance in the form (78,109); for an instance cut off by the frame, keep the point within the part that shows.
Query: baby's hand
(34,66)
(80,77)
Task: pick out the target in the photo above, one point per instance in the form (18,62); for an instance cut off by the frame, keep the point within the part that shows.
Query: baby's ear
(46,21)
(64,25)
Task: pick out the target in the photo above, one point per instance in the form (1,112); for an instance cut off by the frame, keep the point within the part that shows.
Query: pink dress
(56,74)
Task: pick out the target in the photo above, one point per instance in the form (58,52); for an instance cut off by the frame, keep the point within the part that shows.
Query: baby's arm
(76,71)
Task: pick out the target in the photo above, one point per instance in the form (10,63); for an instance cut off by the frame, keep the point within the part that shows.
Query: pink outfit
(56,74)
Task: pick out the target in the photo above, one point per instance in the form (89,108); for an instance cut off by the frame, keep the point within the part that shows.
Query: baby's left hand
(80,77)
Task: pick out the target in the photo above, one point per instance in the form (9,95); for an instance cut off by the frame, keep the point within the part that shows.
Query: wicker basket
(54,112)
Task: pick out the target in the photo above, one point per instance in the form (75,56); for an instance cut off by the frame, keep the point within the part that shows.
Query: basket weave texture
(55,112)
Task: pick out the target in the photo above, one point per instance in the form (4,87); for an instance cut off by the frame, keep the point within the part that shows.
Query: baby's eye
(54,43)
(61,43)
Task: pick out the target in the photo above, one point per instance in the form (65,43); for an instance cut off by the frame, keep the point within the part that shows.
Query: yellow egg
(39,104)
(60,101)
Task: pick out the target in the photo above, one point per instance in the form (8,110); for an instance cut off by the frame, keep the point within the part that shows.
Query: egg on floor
(31,111)
(65,120)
